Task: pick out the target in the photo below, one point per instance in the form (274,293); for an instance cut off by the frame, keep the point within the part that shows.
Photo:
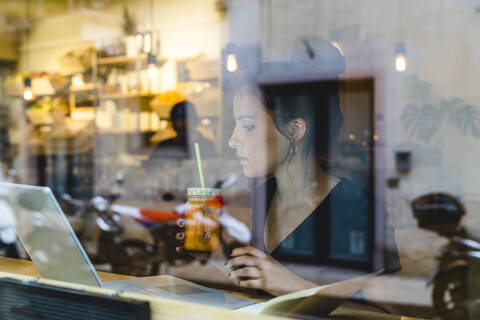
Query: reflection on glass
(286,128)
(92,108)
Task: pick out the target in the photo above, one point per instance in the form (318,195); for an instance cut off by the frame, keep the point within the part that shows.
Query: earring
(293,148)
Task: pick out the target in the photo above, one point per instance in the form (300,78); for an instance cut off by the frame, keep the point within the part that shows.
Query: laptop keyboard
(129,287)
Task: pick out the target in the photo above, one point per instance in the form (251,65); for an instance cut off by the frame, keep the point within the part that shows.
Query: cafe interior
(177,146)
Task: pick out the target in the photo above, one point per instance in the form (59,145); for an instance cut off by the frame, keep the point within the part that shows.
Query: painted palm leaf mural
(416,89)
(421,122)
(467,120)
(448,109)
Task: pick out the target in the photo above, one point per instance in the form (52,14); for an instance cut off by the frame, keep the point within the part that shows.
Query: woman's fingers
(244,261)
(251,265)
(255,284)
(248,251)
(246,272)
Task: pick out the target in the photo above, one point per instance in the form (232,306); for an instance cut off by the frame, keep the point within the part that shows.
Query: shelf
(120,95)
(124,60)
(86,87)
(123,132)
(118,60)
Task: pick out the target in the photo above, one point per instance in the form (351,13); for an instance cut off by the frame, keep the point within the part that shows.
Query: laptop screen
(46,234)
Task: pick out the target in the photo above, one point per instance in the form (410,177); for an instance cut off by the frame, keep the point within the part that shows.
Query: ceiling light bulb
(400,59)
(232,65)
(400,62)
(28,94)
(152,71)
(152,65)
(27,91)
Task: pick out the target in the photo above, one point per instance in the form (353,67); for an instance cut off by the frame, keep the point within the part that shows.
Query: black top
(338,232)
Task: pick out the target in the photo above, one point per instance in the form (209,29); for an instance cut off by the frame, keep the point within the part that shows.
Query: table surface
(160,308)
(27,268)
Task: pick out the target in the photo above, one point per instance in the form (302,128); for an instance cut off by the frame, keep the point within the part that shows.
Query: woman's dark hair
(306,87)
(317,103)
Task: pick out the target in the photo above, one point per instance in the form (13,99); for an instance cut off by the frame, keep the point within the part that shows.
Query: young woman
(283,135)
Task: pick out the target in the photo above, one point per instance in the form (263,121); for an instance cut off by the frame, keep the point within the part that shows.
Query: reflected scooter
(8,238)
(110,247)
(165,228)
(456,279)
(137,257)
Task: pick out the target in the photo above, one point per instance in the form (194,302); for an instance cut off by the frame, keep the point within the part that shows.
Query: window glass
(262,147)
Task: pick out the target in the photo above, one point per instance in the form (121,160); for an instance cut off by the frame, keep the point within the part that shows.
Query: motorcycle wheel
(160,256)
(450,293)
(134,259)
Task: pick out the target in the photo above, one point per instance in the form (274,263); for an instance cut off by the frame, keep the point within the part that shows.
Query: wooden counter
(161,308)
(27,268)
(171,309)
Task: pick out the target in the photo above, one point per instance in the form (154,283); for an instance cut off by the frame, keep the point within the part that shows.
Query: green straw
(199,163)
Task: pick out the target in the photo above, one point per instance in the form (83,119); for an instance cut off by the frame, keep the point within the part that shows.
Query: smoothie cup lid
(202,191)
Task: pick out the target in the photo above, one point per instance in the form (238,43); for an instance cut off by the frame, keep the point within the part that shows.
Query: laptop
(57,253)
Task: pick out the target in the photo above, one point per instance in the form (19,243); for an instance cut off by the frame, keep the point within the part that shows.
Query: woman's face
(258,144)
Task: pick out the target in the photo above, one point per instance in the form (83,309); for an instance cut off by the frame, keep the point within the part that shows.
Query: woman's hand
(256,269)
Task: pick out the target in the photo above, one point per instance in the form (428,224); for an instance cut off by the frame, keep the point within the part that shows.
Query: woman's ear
(297,128)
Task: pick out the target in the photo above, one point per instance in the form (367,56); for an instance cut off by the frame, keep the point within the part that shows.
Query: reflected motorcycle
(9,245)
(109,246)
(456,279)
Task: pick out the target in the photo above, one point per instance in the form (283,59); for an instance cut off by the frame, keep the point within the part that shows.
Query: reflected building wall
(443,150)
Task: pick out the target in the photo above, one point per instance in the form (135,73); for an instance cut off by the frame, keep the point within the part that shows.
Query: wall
(53,37)
(187,28)
(8,45)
